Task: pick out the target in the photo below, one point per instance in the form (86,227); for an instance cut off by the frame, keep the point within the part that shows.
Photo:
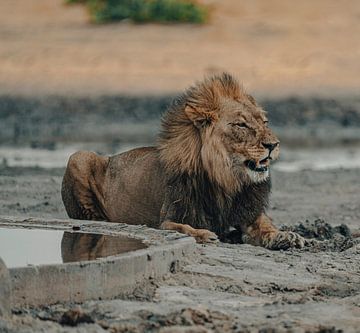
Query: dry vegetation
(142,11)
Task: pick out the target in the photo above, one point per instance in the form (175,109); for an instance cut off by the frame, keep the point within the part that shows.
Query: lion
(208,173)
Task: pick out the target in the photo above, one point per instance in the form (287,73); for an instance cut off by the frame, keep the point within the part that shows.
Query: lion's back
(134,187)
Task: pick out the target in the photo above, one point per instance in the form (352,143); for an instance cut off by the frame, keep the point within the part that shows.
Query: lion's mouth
(262,166)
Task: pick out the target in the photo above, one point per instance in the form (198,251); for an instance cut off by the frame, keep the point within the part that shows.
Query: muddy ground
(331,195)
(226,287)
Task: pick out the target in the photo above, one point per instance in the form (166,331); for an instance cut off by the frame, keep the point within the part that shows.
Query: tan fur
(84,192)
(200,235)
(262,231)
(208,171)
(195,132)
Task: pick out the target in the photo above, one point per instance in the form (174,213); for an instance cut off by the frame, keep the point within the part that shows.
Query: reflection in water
(79,246)
(22,247)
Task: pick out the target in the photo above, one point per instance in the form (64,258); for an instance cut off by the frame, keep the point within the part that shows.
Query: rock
(5,290)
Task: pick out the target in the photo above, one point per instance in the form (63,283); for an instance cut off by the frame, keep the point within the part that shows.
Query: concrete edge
(103,278)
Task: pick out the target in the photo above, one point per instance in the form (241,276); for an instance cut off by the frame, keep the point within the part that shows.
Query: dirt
(322,236)
(320,230)
(227,287)
(331,195)
(319,235)
(32,192)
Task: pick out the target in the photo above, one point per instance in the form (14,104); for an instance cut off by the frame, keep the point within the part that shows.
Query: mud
(324,237)
(227,287)
(319,230)
(320,236)
(74,317)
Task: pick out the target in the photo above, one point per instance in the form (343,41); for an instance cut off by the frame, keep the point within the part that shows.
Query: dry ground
(225,288)
(276,47)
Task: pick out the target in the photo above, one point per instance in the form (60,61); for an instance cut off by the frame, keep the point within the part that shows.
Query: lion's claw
(205,236)
(284,240)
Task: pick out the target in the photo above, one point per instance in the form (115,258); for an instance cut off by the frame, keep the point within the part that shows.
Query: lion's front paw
(205,236)
(284,240)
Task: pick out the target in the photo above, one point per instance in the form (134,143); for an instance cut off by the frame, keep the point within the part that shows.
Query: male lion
(209,172)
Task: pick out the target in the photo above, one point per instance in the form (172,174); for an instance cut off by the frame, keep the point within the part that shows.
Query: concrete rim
(103,278)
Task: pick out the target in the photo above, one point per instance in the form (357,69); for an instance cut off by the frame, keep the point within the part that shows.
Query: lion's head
(217,128)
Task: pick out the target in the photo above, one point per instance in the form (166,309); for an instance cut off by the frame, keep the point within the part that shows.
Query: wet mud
(321,236)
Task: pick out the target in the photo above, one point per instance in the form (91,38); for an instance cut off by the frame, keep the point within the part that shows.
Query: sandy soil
(276,48)
(226,288)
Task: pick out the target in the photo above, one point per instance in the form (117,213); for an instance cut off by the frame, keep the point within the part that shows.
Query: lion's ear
(200,117)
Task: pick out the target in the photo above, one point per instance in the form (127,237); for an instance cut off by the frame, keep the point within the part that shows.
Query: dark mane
(215,200)
(204,205)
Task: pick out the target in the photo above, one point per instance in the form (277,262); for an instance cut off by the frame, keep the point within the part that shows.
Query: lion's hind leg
(264,233)
(82,186)
(201,235)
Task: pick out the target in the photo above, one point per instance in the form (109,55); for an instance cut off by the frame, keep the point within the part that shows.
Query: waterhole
(22,247)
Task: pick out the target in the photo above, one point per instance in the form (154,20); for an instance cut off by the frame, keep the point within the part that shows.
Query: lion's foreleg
(173,210)
(263,233)
(200,235)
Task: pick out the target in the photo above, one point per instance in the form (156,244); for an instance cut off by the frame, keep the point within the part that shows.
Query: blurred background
(98,74)
(276,47)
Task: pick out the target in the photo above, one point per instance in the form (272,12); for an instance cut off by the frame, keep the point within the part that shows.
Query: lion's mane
(216,190)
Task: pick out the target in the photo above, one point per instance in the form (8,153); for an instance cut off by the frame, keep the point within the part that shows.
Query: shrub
(146,10)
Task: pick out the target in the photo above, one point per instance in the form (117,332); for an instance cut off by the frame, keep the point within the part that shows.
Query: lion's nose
(270,146)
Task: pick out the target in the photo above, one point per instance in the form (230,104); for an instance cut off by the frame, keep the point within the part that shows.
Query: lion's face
(242,131)
(216,127)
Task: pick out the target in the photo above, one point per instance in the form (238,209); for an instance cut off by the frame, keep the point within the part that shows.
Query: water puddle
(22,247)
(54,158)
(77,246)
(291,160)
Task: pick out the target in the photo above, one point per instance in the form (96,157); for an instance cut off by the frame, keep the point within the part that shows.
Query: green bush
(146,10)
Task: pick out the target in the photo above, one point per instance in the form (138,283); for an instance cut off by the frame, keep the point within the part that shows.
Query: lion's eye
(241,125)
(266,122)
